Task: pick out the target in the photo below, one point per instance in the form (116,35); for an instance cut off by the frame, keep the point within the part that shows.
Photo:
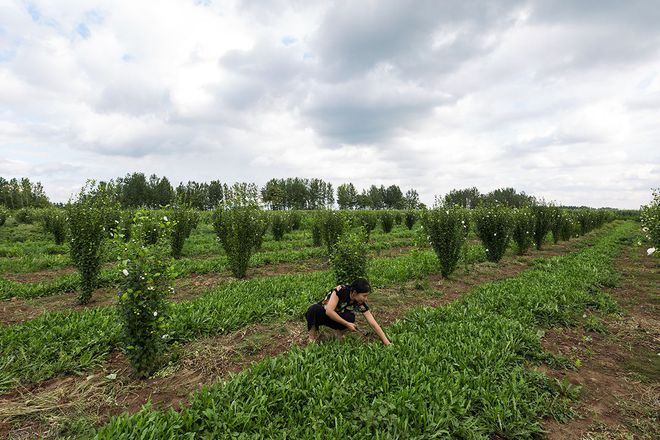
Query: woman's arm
(379,331)
(330,311)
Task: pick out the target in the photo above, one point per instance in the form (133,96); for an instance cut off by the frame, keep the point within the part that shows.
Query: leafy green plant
(567,227)
(4,213)
(55,223)
(542,223)
(349,256)
(184,220)
(523,229)
(294,220)
(446,230)
(493,227)
(332,225)
(316,229)
(24,215)
(410,219)
(556,223)
(387,221)
(367,219)
(240,229)
(650,219)
(278,225)
(145,281)
(86,219)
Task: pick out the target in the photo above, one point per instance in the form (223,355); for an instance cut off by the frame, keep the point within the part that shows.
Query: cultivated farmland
(175,322)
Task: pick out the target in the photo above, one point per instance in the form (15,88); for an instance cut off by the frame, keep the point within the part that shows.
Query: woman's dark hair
(361,285)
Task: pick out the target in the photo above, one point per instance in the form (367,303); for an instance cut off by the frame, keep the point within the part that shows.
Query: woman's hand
(352,327)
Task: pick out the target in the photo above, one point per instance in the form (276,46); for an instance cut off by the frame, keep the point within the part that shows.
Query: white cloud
(559,99)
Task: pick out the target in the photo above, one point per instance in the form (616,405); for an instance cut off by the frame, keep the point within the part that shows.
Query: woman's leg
(315,317)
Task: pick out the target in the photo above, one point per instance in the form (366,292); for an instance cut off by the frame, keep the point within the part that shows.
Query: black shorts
(317,317)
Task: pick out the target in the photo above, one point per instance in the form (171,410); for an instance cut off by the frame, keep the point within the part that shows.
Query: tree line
(21,193)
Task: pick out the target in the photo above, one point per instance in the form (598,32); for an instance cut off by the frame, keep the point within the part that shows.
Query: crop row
(37,255)
(71,341)
(70,282)
(455,372)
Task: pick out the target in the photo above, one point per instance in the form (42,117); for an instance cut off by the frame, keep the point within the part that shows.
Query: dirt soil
(619,369)
(51,408)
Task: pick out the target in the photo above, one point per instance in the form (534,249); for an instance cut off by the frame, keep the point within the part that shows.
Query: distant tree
(347,196)
(465,198)
(508,197)
(411,199)
(393,197)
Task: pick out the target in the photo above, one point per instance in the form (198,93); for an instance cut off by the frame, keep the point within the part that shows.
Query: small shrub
(349,256)
(184,220)
(4,213)
(398,217)
(332,225)
(294,220)
(25,216)
(149,227)
(86,223)
(566,227)
(316,229)
(542,223)
(446,230)
(410,219)
(493,227)
(650,219)
(55,224)
(523,229)
(556,223)
(278,225)
(145,281)
(387,221)
(240,230)
(366,219)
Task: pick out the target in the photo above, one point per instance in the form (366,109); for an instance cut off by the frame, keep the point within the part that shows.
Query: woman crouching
(337,310)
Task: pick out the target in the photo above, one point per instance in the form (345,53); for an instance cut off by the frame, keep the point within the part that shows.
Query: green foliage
(557,220)
(349,257)
(566,227)
(145,281)
(493,227)
(410,219)
(523,229)
(4,213)
(55,224)
(75,340)
(25,216)
(446,230)
(650,218)
(278,225)
(184,220)
(543,215)
(461,371)
(86,217)
(316,229)
(240,230)
(367,220)
(332,225)
(387,221)
(294,220)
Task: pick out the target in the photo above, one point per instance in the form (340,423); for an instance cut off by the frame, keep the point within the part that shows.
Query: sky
(560,99)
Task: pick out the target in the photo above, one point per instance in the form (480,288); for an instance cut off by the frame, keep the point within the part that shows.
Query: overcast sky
(560,99)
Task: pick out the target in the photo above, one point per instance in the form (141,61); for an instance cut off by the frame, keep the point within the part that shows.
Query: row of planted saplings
(447,229)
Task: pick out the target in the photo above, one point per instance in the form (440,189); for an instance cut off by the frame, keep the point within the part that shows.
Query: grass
(454,372)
